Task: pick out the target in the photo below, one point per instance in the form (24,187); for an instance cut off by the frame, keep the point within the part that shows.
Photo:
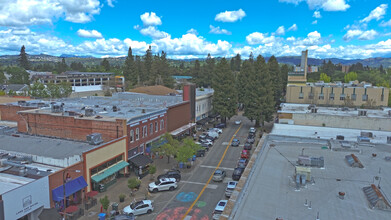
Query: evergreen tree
(284,77)
(18,75)
(129,69)
(208,77)
(148,59)
(140,71)
(165,71)
(242,82)
(265,91)
(225,95)
(23,61)
(62,66)
(105,64)
(248,93)
(274,71)
(196,73)
(237,62)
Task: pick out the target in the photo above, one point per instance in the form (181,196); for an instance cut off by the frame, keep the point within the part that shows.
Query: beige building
(331,94)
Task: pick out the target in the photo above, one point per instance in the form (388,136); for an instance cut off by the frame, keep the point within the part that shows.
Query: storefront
(139,164)
(73,193)
(108,176)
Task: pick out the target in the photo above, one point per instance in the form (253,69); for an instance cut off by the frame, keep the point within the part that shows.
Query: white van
(213,134)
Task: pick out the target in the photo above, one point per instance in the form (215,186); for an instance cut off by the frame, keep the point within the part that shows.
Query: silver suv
(163,184)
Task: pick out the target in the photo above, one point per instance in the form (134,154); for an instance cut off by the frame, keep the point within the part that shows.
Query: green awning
(110,171)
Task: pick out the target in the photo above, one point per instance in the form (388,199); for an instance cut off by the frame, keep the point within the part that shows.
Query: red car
(245,154)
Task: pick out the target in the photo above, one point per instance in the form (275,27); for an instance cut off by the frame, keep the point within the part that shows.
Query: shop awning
(182,129)
(71,187)
(203,121)
(140,160)
(110,171)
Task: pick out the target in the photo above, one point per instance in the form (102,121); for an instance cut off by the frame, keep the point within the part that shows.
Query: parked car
(250,140)
(230,188)
(252,130)
(237,173)
(219,175)
(221,125)
(247,146)
(200,153)
(202,136)
(218,130)
(242,163)
(238,122)
(213,134)
(139,208)
(235,143)
(245,154)
(219,209)
(176,174)
(163,184)
(207,142)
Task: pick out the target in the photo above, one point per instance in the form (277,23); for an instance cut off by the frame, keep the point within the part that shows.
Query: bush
(134,183)
(152,169)
(105,202)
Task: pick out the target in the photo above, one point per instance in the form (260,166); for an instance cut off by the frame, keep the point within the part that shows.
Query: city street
(173,205)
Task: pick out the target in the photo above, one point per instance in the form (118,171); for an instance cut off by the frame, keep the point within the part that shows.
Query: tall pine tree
(264,91)
(129,70)
(23,61)
(274,71)
(225,95)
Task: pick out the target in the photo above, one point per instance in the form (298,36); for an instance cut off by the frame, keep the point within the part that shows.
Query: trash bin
(194,157)
(181,164)
(101,216)
(114,206)
(102,188)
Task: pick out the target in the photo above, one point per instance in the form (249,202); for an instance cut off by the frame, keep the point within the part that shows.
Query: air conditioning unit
(362,113)
(314,110)
(89,112)
(94,139)
(57,108)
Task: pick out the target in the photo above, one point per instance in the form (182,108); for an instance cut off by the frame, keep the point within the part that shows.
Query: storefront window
(106,165)
(131,137)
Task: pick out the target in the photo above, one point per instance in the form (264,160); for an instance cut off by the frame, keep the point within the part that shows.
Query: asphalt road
(173,205)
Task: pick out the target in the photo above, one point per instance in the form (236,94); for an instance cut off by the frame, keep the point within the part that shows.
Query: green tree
(165,72)
(105,64)
(264,92)
(274,71)
(225,95)
(38,90)
(243,82)
(105,202)
(129,69)
(169,149)
(284,77)
(351,76)
(196,73)
(325,78)
(184,153)
(18,75)
(65,89)
(23,61)
(148,60)
(208,74)
(61,67)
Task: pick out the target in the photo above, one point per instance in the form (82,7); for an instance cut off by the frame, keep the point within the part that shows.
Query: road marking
(210,186)
(211,176)
(225,143)
(188,217)
(213,167)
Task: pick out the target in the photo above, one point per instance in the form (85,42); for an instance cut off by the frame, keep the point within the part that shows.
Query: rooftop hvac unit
(311,106)
(94,139)
(366,134)
(57,108)
(41,105)
(314,110)
(115,108)
(89,112)
(388,139)
(22,103)
(362,113)
(340,137)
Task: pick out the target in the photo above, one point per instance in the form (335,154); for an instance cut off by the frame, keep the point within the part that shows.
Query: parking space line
(211,176)
(213,167)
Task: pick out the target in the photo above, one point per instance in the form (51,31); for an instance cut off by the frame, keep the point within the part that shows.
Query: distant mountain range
(90,60)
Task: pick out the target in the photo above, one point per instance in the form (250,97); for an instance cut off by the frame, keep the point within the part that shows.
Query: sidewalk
(121,187)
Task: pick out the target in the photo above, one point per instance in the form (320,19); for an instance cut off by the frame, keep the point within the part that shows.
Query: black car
(171,174)
(201,153)
(247,146)
(221,125)
(237,173)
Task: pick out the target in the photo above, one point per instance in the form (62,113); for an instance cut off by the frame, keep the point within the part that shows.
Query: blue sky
(347,29)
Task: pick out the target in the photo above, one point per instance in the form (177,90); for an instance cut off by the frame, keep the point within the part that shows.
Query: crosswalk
(210,186)
(213,167)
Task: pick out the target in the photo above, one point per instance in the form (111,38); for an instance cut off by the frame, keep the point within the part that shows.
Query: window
(301,95)
(342,97)
(311,95)
(354,97)
(106,165)
(131,138)
(321,96)
(145,131)
(137,133)
(151,128)
(332,96)
(365,97)
(161,124)
(156,127)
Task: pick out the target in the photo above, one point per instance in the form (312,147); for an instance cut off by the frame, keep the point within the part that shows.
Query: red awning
(92,194)
(71,209)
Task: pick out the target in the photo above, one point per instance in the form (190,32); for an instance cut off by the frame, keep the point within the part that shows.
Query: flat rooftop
(9,182)
(270,191)
(304,109)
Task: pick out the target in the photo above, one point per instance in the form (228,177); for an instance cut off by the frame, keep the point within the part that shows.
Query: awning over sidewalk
(203,121)
(70,188)
(110,171)
(140,160)
(182,129)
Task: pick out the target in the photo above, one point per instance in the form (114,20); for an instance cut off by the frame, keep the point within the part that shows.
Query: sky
(348,29)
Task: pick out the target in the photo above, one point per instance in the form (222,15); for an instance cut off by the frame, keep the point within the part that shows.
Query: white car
(238,122)
(139,208)
(218,130)
(219,209)
(230,188)
(163,184)
(252,130)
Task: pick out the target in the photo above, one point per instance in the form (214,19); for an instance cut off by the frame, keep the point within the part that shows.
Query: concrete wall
(9,112)
(374,95)
(178,116)
(56,179)
(354,122)
(69,127)
(102,154)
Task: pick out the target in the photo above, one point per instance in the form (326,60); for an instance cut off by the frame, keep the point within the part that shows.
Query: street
(173,205)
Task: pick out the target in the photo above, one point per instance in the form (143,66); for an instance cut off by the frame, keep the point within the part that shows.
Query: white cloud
(280,30)
(218,30)
(22,31)
(316,14)
(77,11)
(89,33)
(110,3)
(361,35)
(259,38)
(153,32)
(192,31)
(230,16)
(150,19)
(326,5)
(313,38)
(293,28)
(368,35)
(315,22)
(386,23)
(350,34)
(376,13)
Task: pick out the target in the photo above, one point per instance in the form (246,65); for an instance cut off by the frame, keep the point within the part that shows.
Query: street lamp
(64,182)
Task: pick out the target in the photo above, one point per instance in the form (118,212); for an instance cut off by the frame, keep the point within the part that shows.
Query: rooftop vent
(22,103)
(115,108)
(89,112)
(311,106)
(94,139)
(375,198)
(143,110)
(310,161)
(388,139)
(366,134)
(353,161)
(22,171)
(57,108)
(314,110)
(389,113)
(340,137)
(362,112)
